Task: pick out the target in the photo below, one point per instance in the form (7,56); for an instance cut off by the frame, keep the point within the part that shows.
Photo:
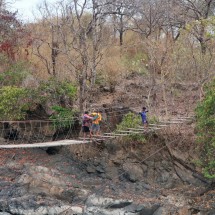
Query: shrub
(14,102)
(55,91)
(153,119)
(63,117)
(205,112)
(131,120)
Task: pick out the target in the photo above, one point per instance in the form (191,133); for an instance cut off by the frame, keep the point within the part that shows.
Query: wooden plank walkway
(120,133)
(45,144)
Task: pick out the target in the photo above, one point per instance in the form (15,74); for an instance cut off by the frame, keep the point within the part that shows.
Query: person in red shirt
(86,124)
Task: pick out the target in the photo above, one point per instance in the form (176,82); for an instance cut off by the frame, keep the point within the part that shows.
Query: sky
(25,8)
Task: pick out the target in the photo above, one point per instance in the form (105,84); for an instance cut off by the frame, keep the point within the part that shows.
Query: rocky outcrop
(40,191)
(33,205)
(133,172)
(108,206)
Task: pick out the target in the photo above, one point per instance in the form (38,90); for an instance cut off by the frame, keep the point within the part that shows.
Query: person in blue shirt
(144,117)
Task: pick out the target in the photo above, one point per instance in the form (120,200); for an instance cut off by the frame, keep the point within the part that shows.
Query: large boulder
(40,179)
(133,172)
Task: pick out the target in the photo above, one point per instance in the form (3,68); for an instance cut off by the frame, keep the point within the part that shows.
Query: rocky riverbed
(103,179)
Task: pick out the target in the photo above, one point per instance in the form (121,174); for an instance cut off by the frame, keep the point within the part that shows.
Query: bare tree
(76,42)
(148,18)
(46,38)
(11,31)
(197,11)
(121,12)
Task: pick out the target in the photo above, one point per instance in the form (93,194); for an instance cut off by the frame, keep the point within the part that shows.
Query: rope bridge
(48,133)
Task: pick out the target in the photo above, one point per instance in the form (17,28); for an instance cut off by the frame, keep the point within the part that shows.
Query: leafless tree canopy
(79,30)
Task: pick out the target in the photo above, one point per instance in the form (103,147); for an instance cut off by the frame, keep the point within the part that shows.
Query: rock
(133,172)
(144,209)
(166,210)
(141,186)
(211,212)
(94,200)
(118,158)
(178,201)
(111,172)
(53,150)
(13,191)
(100,169)
(149,209)
(106,89)
(50,182)
(187,176)
(33,205)
(184,211)
(163,177)
(160,211)
(4,213)
(90,169)
(77,210)
(81,195)
(108,206)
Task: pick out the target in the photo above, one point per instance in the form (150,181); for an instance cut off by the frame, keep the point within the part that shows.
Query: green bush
(153,119)
(14,102)
(54,90)
(205,112)
(131,120)
(63,117)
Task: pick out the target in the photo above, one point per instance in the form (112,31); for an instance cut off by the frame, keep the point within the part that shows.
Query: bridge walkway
(119,133)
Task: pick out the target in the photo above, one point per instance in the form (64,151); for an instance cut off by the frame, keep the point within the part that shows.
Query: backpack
(96,117)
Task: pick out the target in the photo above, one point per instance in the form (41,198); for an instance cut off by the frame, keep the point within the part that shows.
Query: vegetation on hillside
(206,130)
(131,120)
(14,102)
(95,42)
(78,46)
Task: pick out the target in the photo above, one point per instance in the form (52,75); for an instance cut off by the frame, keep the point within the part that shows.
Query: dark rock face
(133,172)
(32,205)
(120,182)
(42,191)
(53,150)
(39,190)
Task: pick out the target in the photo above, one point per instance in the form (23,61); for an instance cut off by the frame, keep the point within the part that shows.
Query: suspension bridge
(39,133)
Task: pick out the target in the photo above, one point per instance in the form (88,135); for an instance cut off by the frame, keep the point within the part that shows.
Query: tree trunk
(121,30)
(94,43)
(82,94)
(83,72)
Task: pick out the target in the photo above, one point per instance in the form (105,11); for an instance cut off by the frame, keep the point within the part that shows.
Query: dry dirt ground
(136,91)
